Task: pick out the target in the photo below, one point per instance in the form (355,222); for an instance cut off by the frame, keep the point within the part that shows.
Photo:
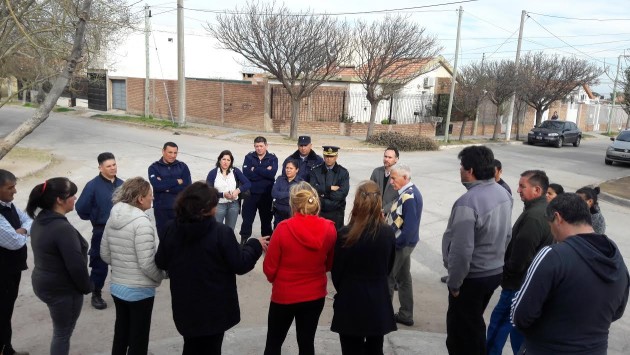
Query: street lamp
(614,98)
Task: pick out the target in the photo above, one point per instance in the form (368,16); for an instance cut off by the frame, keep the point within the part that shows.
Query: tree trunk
(497,127)
(13,138)
(628,120)
(373,109)
(539,114)
(461,132)
(295,112)
(518,127)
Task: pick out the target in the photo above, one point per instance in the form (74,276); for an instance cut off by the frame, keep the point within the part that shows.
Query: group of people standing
(563,280)
(192,241)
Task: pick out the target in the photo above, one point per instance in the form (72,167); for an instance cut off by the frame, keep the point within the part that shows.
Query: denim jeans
(500,326)
(64,311)
(229,212)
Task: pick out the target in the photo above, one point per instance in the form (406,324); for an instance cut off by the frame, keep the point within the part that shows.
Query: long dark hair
(591,194)
(194,203)
(366,216)
(221,155)
(45,195)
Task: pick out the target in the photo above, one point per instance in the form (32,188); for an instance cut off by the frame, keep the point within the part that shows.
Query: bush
(403,142)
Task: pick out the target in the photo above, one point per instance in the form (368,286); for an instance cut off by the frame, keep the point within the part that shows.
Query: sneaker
(408,323)
(97,301)
(444,279)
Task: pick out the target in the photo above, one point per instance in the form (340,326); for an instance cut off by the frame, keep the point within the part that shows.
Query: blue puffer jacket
(260,172)
(166,188)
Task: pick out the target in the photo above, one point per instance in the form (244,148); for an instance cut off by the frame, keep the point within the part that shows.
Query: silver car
(619,150)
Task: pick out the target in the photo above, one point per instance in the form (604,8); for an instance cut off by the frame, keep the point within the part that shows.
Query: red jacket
(299,255)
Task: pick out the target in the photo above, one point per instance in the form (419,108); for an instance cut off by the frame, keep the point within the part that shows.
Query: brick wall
(239,105)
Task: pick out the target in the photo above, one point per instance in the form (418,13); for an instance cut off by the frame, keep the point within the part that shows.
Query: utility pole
(614,98)
(475,125)
(147,78)
(508,129)
(181,76)
(450,98)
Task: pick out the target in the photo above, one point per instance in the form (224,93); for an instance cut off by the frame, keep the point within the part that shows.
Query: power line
(488,22)
(402,9)
(582,19)
(563,41)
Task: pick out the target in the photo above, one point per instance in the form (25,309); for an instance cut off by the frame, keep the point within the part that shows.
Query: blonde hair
(304,199)
(131,190)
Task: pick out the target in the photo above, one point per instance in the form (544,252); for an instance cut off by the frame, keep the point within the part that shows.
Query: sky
(596,31)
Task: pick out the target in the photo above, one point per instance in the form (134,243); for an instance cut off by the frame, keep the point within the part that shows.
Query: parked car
(556,133)
(619,150)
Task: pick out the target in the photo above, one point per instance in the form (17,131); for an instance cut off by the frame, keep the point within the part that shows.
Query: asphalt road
(77,141)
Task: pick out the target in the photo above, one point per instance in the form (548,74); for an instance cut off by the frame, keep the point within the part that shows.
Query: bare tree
(501,85)
(547,78)
(470,91)
(75,57)
(301,50)
(391,53)
(37,35)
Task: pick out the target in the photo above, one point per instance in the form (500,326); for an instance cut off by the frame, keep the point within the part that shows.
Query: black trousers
(465,327)
(162,217)
(207,345)
(335,216)
(358,345)
(133,324)
(281,316)
(9,285)
(98,272)
(262,204)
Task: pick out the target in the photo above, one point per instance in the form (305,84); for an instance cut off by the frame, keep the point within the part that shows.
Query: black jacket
(530,233)
(202,260)
(322,179)
(363,306)
(305,165)
(574,290)
(60,256)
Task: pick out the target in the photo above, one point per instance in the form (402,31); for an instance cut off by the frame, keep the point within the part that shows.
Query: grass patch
(611,134)
(62,109)
(19,153)
(150,121)
(30,104)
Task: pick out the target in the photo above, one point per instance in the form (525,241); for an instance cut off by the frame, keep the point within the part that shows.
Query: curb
(614,199)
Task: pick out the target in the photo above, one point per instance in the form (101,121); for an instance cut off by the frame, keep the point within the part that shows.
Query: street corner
(616,191)
(24,162)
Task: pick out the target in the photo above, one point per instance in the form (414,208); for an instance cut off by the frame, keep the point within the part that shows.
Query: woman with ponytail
(364,256)
(299,255)
(589,195)
(60,277)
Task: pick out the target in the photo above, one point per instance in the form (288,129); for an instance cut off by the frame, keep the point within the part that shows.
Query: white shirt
(9,238)
(225,184)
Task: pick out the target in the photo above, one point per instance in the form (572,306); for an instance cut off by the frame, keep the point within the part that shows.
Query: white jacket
(129,246)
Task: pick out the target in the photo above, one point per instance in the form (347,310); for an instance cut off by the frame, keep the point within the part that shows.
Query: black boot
(97,301)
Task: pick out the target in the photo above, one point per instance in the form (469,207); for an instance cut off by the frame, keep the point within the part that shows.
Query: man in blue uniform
(169,177)
(15,226)
(332,182)
(305,156)
(260,167)
(94,205)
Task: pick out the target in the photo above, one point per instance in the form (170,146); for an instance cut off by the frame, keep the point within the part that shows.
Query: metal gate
(119,94)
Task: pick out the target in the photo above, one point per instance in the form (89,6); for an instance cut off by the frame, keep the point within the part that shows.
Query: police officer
(332,183)
(306,158)
(260,167)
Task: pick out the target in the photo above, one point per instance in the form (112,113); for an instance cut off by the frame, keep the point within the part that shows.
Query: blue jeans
(229,212)
(500,326)
(98,274)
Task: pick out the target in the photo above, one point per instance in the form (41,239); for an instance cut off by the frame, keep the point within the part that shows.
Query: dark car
(619,150)
(556,133)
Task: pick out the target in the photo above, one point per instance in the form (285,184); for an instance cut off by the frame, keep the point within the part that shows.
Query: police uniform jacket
(322,179)
(258,173)
(305,165)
